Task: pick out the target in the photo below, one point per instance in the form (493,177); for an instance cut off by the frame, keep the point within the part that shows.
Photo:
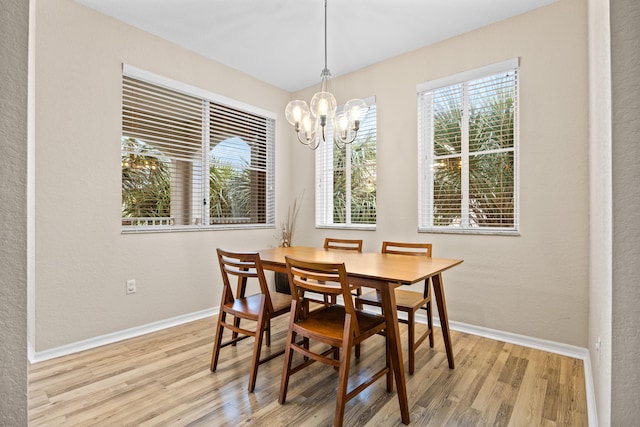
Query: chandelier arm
(344,142)
(303,141)
(308,142)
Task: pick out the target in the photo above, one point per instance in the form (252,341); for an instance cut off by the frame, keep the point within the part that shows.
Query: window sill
(363,227)
(467,231)
(188,228)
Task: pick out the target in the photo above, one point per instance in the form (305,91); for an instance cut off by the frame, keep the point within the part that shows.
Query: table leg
(388,298)
(438,290)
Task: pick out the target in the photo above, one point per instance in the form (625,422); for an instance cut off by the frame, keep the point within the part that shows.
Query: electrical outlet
(598,345)
(131,286)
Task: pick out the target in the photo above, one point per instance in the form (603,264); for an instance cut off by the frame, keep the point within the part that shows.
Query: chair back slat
(323,278)
(398,248)
(343,244)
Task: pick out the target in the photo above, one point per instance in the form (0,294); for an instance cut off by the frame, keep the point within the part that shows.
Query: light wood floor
(163,379)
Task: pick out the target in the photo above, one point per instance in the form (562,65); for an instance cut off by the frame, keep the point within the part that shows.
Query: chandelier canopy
(310,121)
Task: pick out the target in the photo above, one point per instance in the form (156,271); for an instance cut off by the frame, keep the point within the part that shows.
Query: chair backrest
(398,248)
(343,244)
(242,266)
(321,278)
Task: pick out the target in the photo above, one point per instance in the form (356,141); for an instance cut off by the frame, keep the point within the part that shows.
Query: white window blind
(190,162)
(467,133)
(346,178)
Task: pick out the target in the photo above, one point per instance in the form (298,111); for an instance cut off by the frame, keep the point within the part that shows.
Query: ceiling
(281,42)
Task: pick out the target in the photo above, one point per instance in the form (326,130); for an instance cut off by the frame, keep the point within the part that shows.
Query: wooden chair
(259,308)
(406,301)
(338,327)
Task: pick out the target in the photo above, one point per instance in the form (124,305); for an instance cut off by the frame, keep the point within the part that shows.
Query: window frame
(324,203)
(426,157)
(207,99)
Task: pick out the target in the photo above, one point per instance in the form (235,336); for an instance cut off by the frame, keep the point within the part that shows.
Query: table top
(400,269)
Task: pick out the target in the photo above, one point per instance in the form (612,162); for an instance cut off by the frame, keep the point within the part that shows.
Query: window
(191,159)
(467,136)
(346,179)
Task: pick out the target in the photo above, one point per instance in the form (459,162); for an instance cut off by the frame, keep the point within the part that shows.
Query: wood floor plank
(163,379)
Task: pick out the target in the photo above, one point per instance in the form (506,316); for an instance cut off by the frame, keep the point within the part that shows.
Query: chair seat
(405,300)
(281,302)
(250,305)
(329,322)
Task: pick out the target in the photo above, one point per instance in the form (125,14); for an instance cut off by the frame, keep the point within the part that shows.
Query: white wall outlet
(131,286)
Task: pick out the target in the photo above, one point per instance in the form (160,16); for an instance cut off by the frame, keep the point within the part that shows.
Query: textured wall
(14,28)
(625,90)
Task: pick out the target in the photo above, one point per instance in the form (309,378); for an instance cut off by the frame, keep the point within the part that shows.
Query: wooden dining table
(383,272)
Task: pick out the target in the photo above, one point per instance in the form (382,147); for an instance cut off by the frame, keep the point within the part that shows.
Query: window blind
(346,178)
(467,154)
(239,167)
(191,162)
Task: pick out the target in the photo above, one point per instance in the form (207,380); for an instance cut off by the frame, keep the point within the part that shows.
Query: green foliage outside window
(146,185)
(229,191)
(146,178)
(363,183)
(491,182)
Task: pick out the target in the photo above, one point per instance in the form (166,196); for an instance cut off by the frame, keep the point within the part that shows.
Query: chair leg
(234,334)
(359,307)
(388,361)
(430,324)
(267,333)
(343,376)
(288,358)
(257,346)
(305,344)
(217,341)
(411,320)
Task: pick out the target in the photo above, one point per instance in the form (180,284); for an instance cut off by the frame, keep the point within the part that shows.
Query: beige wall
(14,30)
(536,284)
(82,259)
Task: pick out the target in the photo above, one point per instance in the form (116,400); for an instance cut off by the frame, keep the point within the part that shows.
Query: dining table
(382,272)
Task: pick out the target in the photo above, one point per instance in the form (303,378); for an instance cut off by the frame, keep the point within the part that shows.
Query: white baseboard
(90,343)
(525,341)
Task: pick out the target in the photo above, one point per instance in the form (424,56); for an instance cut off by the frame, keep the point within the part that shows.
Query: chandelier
(311,121)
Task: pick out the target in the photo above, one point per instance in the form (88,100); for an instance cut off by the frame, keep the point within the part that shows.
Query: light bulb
(322,107)
(297,114)
(296,111)
(343,123)
(357,108)
(307,124)
(323,104)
